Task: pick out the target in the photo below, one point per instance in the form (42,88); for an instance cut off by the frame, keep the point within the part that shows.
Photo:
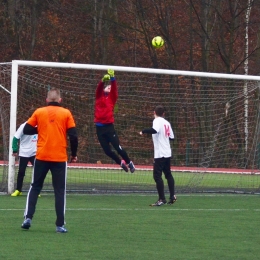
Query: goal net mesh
(215,121)
(5,93)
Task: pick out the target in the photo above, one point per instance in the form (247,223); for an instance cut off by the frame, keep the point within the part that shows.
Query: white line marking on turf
(136,209)
(152,208)
(151,195)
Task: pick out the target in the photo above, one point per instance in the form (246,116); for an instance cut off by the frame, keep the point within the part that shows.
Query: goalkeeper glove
(106,78)
(111,73)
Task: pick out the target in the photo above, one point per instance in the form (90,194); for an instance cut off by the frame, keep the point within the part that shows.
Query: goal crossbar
(134,69)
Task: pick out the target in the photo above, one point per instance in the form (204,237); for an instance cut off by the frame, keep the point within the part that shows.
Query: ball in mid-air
(157,42)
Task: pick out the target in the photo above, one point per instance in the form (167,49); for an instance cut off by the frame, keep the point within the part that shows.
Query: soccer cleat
(123,165)
(61,229)
(16,193)
(171,201)
(131,167)
(159,203)
(26,224)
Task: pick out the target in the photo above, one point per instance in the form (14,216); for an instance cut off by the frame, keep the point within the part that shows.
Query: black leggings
(23,161)
(59,174)
(106,136)
(163,165)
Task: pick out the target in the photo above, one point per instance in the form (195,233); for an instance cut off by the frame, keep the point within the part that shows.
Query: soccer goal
(215,118)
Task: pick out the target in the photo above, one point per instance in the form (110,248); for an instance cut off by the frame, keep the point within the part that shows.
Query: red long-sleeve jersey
(105,103)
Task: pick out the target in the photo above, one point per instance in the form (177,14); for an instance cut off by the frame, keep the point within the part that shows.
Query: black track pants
(163,165)
(59,174)
(106,136)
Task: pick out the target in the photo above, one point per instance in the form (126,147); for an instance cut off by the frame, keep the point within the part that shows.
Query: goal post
(214,116)
(13,112)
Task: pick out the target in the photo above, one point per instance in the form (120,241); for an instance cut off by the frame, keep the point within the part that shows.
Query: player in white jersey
(162,133)
(27,145)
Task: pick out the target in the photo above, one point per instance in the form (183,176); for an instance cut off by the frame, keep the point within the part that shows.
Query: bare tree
(247,18)
(24,17)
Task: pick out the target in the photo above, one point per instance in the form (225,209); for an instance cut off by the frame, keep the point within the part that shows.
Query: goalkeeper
(106,97)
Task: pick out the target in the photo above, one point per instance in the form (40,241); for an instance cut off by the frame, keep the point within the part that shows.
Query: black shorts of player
(162,165)
(106,134)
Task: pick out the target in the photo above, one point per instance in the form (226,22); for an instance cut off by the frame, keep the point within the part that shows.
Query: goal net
(5,94)
(215,118)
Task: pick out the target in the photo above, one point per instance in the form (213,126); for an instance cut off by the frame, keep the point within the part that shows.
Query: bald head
(53,95)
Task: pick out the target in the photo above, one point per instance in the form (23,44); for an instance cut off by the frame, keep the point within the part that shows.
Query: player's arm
(100,86)
(114,90)
(171,137)
(148,131)
(73,137)
(15,146)
(30,130)
(99,89)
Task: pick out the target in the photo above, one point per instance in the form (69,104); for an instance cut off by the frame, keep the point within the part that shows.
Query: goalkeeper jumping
(106,97)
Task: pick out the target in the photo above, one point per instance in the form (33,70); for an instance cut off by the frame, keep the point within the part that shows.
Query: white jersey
(161,142)
(28,143)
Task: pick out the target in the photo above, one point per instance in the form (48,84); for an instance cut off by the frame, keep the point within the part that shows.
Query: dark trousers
(59,174)
(106,136)
(163,165)
(23,161)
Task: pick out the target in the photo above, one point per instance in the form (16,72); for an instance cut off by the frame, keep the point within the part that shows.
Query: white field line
(136,209)
(151,195)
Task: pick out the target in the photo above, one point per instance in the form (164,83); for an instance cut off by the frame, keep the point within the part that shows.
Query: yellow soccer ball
(157,42)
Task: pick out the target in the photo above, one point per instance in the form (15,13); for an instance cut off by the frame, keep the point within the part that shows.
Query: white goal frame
(14,88)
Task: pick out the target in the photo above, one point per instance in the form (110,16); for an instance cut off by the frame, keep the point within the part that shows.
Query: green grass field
(206,226)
